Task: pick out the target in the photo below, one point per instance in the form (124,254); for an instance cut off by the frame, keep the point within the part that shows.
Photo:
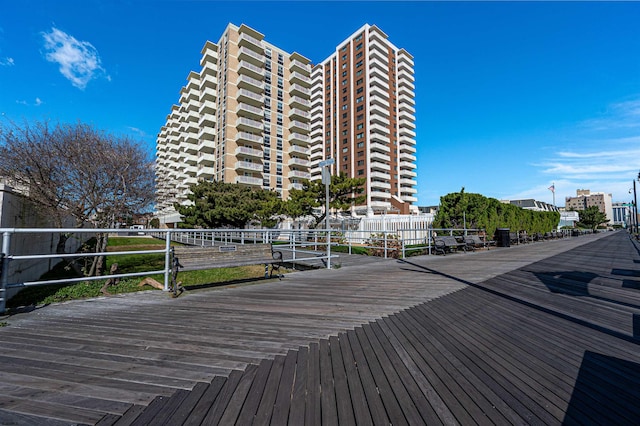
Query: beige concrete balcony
(249,180)
(250,111)
(246,54)
(298,102)
(248,137)
(251,70)
(298,78)
(298,162)
(299,126)
(299,138)
(246,165)
(297,149)
(245,40)
(249,125)
(299,174)
(249,152)
(249,97)
(250,83)
(296,113)
(298,90)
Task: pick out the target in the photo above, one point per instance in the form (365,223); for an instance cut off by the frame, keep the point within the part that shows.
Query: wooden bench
(448,244)
(193,258)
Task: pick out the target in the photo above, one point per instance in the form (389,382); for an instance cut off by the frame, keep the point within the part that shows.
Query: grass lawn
(45,294)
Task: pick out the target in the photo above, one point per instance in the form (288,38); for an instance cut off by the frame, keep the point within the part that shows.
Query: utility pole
(635,203)
(326,179)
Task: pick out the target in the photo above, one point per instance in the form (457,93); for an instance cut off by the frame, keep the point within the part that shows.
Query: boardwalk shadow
(576,283)
(613,383)
(572,283)
(580,289)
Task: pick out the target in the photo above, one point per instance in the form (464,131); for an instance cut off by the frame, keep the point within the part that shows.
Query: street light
(635,203)
(326,179)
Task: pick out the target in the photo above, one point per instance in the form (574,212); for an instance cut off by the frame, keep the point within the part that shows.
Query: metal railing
(298,246)
(13,260)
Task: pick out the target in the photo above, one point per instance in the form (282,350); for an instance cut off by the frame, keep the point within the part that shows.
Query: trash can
(502,237)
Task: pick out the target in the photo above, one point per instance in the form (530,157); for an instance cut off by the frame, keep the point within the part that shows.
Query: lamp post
(326,179)
(635,203)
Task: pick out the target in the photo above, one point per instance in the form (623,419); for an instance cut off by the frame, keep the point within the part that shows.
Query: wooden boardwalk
(545,333)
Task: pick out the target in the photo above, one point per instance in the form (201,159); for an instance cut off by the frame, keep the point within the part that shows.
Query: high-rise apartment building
(259,116)
(362,116)
(244,118)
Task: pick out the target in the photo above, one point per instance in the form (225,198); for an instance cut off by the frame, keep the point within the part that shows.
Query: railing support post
(167,260)
(4,270)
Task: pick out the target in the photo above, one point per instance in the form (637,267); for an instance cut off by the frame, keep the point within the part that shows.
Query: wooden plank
(342,394)
(185,407)
(445,380)
(297,411)
(265,409)
(327,395)
(357,394)
(391,404)
(222,399)
(236,402)
(312,400)
(205,402)
(401,386)
(255,393)
(285,390)
(374,401)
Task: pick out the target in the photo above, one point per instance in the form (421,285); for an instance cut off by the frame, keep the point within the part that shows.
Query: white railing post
(4,268)
(167,260)
(328,248)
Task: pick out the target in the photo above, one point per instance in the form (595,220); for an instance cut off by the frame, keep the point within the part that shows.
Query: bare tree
(75,171)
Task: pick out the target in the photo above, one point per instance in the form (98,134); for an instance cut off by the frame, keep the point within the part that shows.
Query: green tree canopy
(344,192)
(224,205)
(477,211)
(591,217)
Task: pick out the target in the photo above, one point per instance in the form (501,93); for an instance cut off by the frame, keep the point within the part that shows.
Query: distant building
(585,198)
(622,215)
(568,219)
(531,204)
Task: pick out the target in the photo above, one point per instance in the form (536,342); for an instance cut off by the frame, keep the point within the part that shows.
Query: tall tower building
(259,116)
(362,116)
(244,118)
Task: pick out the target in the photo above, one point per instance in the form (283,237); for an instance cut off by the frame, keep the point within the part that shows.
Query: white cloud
(599,154)
(7,62)
(36,102)
(78,60)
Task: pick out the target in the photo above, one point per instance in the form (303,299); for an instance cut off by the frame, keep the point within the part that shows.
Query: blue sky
(511,97)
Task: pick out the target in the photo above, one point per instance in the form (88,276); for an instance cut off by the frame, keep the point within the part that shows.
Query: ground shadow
(575,283)
(567,316)
(606,392)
